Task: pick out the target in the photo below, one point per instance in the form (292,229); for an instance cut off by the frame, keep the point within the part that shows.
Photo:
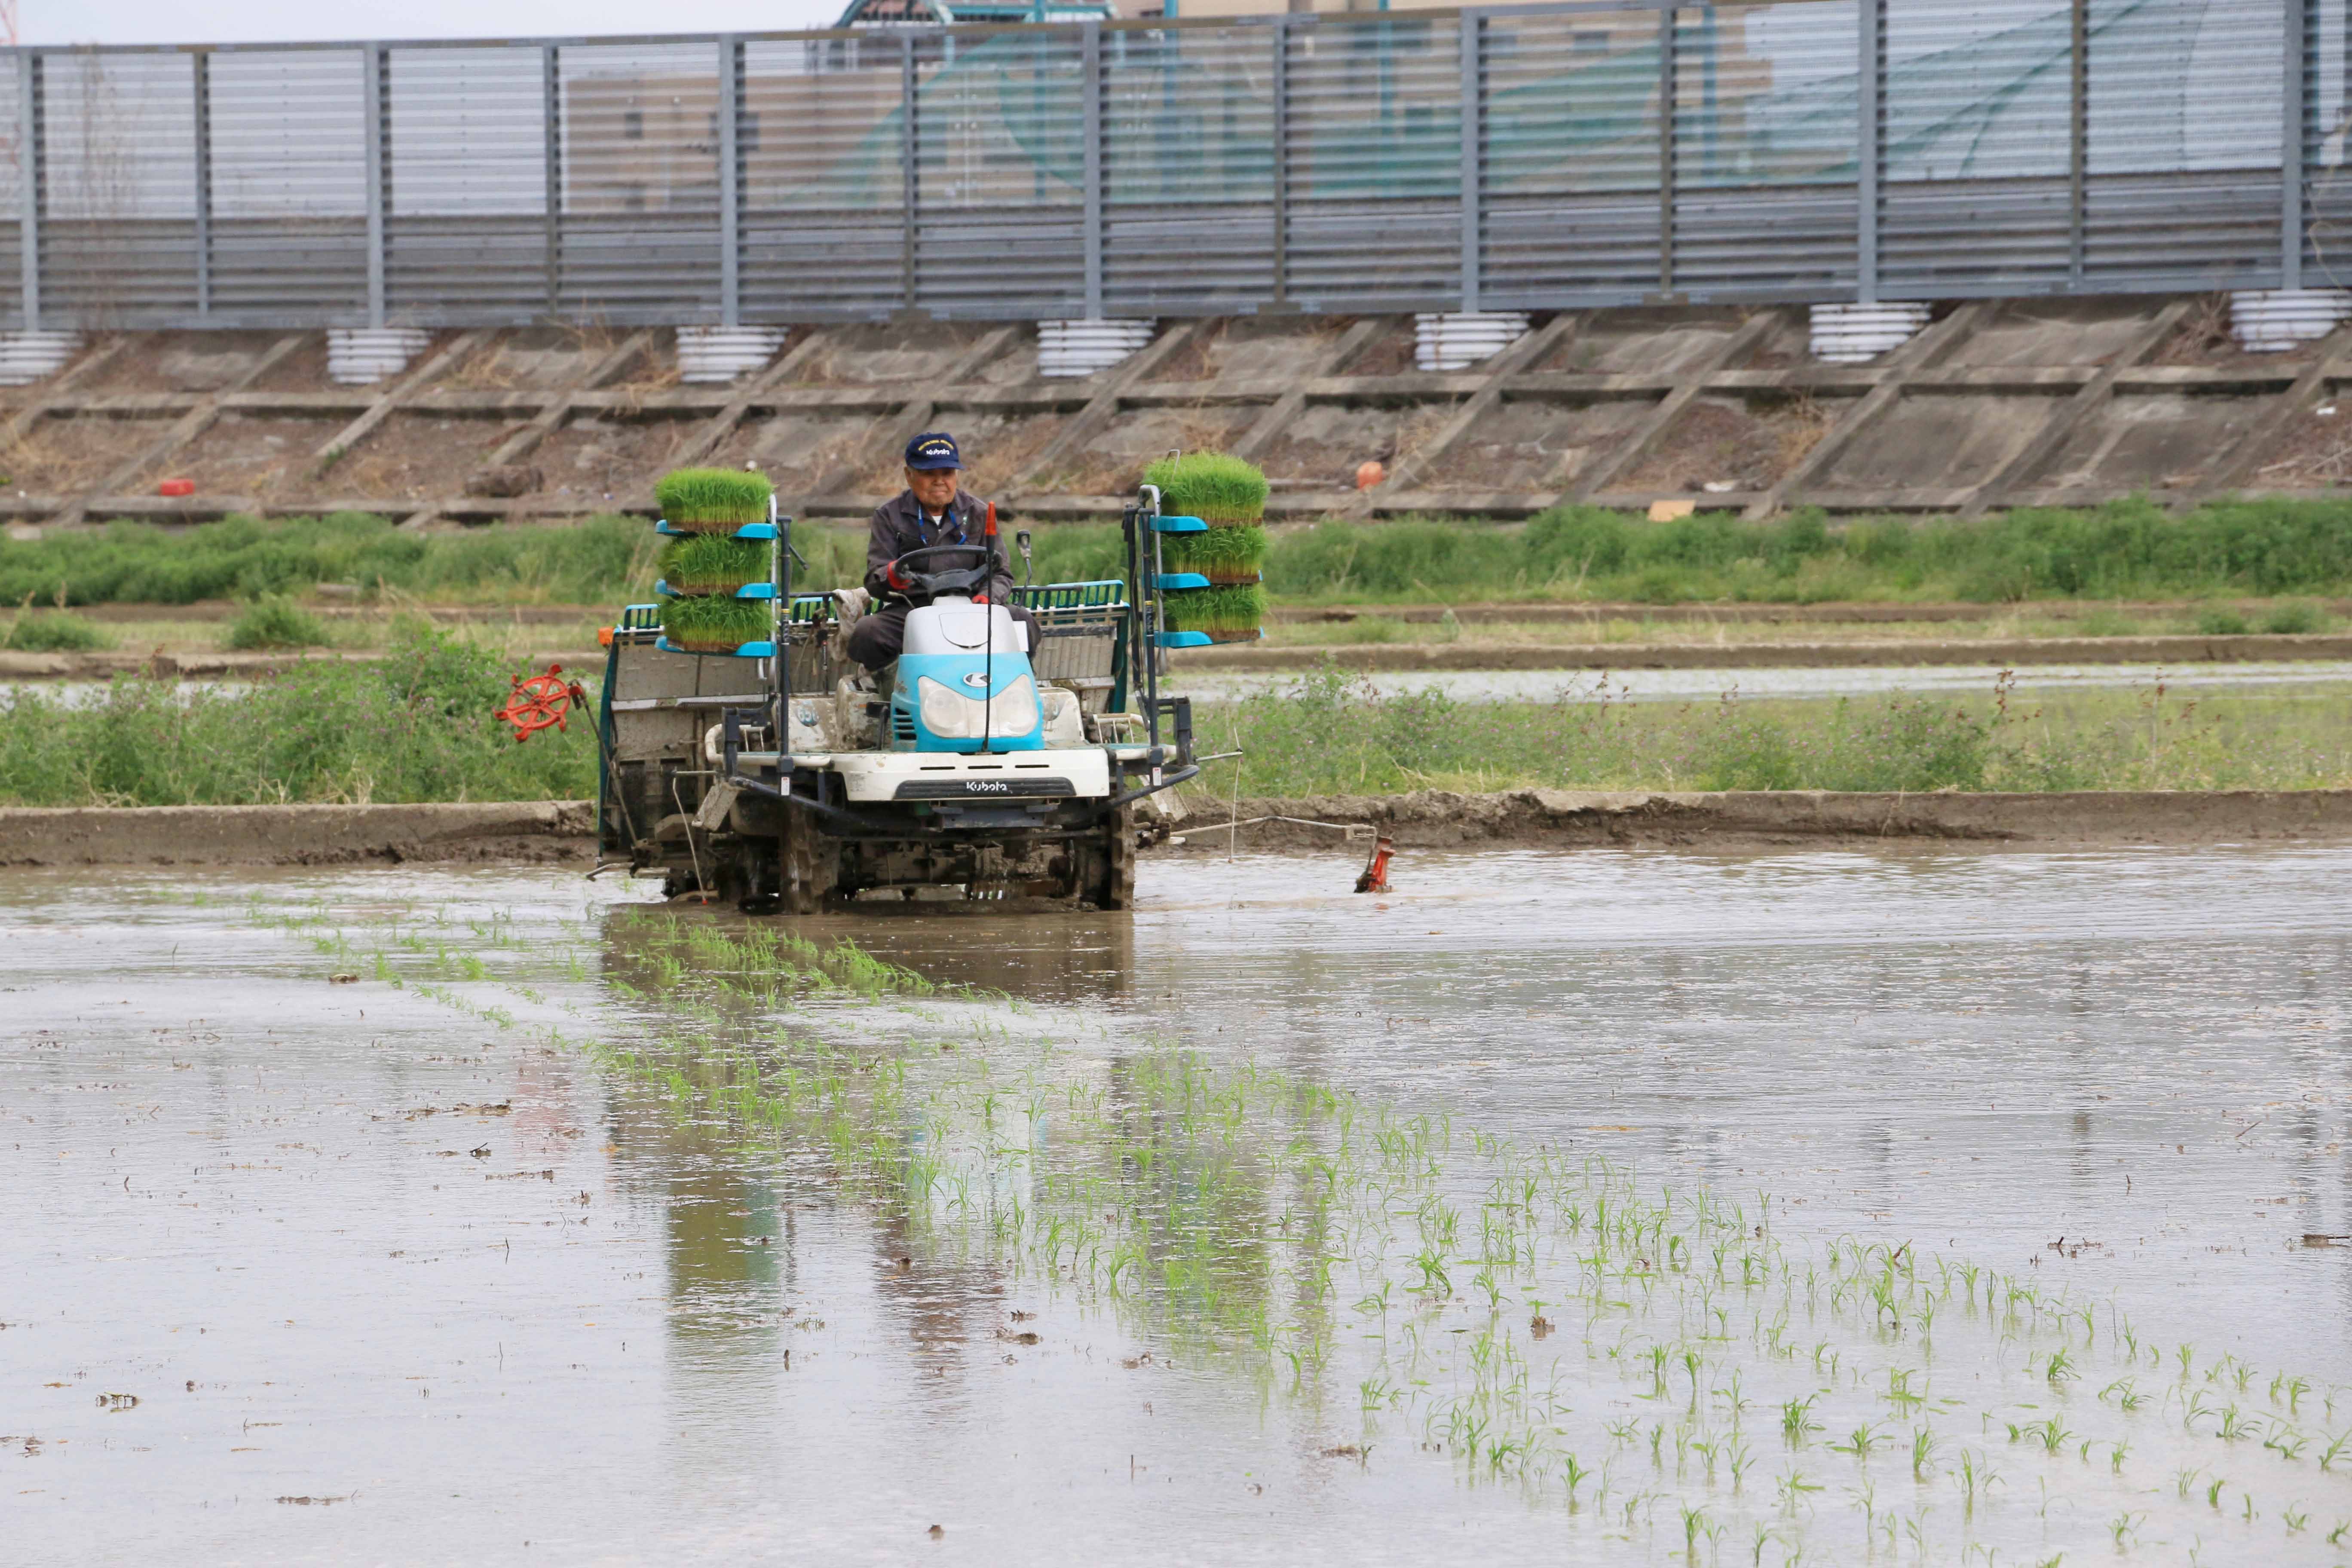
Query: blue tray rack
(748,591)
(749,530)
(745,650)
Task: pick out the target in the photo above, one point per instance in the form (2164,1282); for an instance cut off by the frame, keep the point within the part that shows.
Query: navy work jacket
(899,526)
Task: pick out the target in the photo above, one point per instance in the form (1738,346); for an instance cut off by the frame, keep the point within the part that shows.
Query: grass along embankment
(2129,550)
(416,726)
(1328,734)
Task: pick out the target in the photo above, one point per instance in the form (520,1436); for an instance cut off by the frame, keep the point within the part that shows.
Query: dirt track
(559,832)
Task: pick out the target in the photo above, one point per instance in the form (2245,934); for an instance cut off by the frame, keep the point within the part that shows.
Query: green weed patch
(274,621)
(2127,550)
(2130,549)
(1332,734)
(416,726)
(52,631)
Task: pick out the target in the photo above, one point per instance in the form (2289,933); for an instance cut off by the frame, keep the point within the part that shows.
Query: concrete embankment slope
(1438,819)
(503,831)
(561,831)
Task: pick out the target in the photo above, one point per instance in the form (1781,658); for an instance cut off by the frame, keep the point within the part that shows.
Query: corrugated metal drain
(2265,320)
(26,357)
(711,355)
(358,355)
(1075,348)
(1458,340)
(1848,335)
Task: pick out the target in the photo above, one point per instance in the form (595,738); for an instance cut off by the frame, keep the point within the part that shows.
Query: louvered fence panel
(289,189)
(1570,200)
(11,198)
(1000,163)
(639,231)
(2327,148)
(2183,149)
(822,142)
(1764,140)
(1978,154)
(1188,170)
(1373,164)
(465,231)
(1581,156)
(119,240)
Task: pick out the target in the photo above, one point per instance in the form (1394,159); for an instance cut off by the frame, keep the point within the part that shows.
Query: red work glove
(980,598)
(891,579)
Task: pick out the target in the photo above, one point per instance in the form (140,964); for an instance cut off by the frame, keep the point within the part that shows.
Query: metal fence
(1529,157)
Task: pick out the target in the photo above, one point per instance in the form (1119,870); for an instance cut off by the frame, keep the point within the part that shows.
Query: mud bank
(562,832)
(536,831)
(1991,652)
(1437,819)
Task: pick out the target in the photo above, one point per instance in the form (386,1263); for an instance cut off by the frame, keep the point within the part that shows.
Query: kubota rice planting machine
(779,774)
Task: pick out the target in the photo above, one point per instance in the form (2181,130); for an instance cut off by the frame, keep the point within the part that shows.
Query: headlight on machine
(953,716)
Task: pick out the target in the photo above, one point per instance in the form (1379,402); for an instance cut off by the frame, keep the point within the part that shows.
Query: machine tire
(1106,864)
(808,867)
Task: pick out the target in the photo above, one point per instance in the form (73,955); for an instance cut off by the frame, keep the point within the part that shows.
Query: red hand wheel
(540,701)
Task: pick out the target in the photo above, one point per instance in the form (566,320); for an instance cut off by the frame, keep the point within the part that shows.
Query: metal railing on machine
(1503,158)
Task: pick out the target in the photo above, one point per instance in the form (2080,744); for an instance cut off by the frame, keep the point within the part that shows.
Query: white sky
(252,21)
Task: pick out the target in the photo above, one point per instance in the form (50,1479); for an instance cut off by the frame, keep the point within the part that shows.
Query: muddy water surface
(300,1271)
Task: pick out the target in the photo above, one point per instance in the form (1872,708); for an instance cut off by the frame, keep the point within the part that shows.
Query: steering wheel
(935,569)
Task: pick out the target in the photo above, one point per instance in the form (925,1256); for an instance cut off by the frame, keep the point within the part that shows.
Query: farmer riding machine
(774,771)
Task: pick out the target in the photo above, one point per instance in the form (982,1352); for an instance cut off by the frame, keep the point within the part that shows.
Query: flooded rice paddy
(1599,1207)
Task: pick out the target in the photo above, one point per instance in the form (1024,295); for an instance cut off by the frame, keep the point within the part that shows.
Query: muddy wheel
(808,867)
(1106,863)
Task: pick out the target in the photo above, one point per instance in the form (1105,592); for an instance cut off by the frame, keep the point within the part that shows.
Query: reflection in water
(954,1150)
(1032,949)
(1040,951)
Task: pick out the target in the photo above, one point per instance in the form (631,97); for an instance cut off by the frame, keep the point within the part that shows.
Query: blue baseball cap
(934,450)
